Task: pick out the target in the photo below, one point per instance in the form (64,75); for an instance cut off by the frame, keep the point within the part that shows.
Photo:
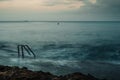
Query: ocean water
(87,47)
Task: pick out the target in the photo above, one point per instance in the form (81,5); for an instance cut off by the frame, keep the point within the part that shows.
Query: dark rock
(16,73)
(25,68)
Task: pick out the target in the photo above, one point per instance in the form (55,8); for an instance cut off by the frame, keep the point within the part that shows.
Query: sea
(63,47)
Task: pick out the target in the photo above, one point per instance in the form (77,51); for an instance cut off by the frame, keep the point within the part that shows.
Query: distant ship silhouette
(26,21)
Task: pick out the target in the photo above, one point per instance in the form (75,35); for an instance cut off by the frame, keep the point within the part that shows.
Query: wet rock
(16,73)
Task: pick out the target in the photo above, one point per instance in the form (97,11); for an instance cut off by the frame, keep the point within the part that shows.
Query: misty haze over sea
(70,46)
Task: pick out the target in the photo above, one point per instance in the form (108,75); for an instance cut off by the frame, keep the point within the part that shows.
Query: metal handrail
(22,48)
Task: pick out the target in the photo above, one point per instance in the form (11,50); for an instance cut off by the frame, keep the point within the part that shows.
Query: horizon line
(56,21)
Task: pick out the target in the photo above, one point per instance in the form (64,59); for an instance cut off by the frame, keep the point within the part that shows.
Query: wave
(67,51)
(96,51)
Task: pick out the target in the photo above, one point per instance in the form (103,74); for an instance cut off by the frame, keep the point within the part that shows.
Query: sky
(63,10)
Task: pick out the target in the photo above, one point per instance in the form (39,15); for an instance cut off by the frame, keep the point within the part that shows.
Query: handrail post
(18,48)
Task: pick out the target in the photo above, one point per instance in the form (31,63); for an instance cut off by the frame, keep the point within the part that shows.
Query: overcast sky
(79,10)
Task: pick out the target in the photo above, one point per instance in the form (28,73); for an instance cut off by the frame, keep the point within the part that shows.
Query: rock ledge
(16,73)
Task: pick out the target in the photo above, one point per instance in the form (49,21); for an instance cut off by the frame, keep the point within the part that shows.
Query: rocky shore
(16,73)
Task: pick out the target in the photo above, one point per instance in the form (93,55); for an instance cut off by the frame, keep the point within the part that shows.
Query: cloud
(89,5)
(67,9)
(103,5)
(63,4)
(43,4)
(102,9)
(5,0)
(108,5)
(93,1)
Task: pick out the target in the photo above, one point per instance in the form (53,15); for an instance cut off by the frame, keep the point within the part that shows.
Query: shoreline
(16,73)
